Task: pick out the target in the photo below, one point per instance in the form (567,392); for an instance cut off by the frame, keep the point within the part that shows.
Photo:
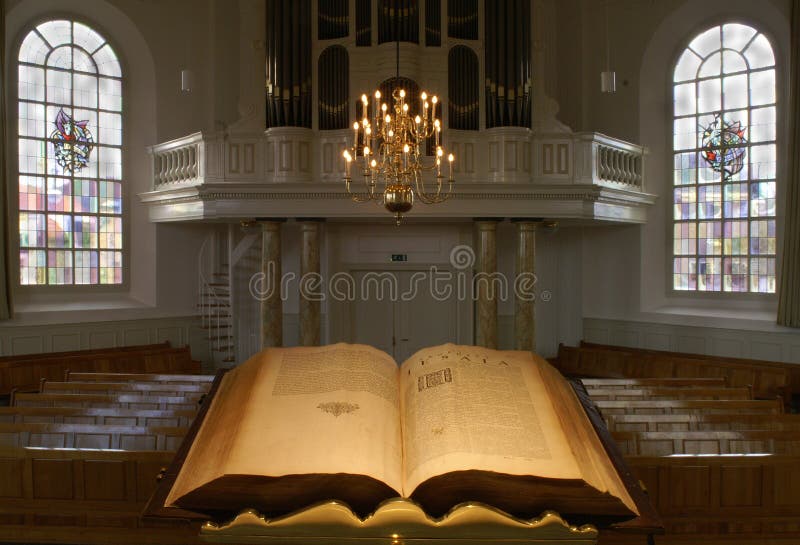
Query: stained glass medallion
(723,146)
(725,162)
(72,141)
(70,157)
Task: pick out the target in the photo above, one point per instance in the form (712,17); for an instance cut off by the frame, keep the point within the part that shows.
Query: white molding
(39,338)
(714,341)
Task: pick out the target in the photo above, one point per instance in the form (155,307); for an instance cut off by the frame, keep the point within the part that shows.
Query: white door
(399,326)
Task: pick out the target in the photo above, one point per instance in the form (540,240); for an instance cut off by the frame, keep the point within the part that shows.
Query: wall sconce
(608,78)
(187,80)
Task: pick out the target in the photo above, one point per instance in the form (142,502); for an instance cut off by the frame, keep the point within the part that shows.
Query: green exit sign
(399,257)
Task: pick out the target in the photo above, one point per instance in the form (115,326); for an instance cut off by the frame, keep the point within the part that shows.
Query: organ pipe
(288,76)
(508,63)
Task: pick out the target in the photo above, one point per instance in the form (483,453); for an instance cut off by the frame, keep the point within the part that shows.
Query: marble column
(270,289)
(310,283)
(524,315)
(486,294)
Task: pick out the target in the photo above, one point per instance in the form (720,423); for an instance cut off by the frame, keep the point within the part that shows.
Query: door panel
(402,327)
(371,320)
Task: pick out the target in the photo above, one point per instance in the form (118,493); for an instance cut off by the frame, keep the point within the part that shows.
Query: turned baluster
(193,161)
(184,164)
(179,165)
(159,170)
(162,158)
(173,166)
(628,178)
(601,161)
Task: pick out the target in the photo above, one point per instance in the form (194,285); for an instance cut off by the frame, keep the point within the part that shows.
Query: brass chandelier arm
(437,197)
(368,196)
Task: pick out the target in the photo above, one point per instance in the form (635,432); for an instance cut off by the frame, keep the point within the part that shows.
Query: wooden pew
(768,379)
(122,401)
(666,382)
(701,422)
(25,372)
(82,496)
(655,393)
(724,499)
(63,489)
(682,406)
(87,352)
(122,387)
(666,443)
(82,436)
(138,377)
(97,416)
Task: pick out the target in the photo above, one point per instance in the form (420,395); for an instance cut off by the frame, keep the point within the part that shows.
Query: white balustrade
(507,155)
(617,161)
(192,159)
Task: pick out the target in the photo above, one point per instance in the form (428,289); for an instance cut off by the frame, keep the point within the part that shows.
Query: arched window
(70,157)
(724,162)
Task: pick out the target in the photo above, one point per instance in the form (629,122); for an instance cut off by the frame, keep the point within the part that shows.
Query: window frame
(745,297)
(13,100)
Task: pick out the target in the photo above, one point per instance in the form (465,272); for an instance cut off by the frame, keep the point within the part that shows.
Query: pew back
(701,422)
(767,379)
(87,496)
(112,416)
(698,496)
(25,372)
(669,443)
(123,387)
(143,378)
(723,406)
(666,382)
(82,436)
(122,401)
(656,393)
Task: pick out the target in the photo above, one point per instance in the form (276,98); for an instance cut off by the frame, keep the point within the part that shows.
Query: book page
(469,408)
(332,409)
(586,446)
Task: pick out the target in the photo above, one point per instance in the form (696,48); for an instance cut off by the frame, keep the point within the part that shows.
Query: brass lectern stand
(397,522)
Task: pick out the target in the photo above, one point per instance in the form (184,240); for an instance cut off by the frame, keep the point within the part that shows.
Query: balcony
(296,172)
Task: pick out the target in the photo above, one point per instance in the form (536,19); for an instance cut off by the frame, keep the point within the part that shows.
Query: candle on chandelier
(364,103)
(450,161)
(355,134)
(348,158)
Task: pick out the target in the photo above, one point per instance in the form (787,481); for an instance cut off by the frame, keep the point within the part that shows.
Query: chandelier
(389,152)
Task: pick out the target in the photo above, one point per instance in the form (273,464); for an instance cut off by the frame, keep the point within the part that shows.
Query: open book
(295,426)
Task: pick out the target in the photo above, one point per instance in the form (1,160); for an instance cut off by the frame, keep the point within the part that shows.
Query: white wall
(154,40)
(626,295)
(603,279)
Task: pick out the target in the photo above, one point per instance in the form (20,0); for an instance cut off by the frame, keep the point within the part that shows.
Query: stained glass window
(724,153)
(70,157)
